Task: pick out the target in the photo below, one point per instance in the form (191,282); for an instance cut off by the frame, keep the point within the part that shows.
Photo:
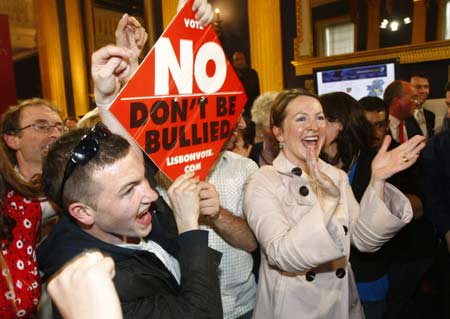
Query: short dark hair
(278,111)
(11,118)
(79,186)
(240,52)
(419,75)
(10,121)
(374,103)
(393,90)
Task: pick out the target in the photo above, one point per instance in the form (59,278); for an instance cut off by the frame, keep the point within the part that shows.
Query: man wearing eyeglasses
(28,129)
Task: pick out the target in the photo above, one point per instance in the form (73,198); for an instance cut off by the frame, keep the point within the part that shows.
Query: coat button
(304,191)
(297,171)
(310,275)
(345,229)
(340,273)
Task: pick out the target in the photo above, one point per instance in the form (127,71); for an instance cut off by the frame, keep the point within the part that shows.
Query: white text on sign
(185,69)
(193,24)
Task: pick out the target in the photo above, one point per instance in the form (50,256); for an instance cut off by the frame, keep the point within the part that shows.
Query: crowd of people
(316,207)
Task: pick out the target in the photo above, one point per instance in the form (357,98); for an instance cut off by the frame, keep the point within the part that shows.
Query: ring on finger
(405,159)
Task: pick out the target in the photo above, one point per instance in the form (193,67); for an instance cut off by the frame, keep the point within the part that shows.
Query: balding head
(402,99)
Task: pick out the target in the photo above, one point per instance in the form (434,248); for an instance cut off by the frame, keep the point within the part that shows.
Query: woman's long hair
(10,180)
(355,134)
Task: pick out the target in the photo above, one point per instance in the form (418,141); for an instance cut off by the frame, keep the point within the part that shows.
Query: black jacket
(146,288)
(437,181)
(413,128)
(415,240)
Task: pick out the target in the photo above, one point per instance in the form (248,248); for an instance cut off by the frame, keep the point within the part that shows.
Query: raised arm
(387,163)
(110,66)
(233,229)
(131,35)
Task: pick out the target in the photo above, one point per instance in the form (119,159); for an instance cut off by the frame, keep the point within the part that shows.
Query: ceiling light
(394,25)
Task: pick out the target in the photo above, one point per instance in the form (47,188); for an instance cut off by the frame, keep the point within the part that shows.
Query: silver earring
(281,145)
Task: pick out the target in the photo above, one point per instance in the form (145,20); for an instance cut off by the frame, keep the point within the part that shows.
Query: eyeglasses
(43,127)
(84,152)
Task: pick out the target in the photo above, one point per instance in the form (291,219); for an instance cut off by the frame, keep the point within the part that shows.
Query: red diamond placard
(182,103)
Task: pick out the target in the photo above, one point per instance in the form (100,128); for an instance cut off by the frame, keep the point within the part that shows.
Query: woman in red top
(20,218)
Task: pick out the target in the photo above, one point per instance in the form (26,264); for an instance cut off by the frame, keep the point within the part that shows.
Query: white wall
(439,108)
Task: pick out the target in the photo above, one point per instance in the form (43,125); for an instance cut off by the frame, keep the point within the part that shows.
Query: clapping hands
(387,163)
(323,181)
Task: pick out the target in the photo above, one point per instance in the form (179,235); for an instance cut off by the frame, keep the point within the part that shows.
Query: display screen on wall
(358,80)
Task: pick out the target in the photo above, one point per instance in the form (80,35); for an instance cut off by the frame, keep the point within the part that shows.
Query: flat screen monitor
(358,80)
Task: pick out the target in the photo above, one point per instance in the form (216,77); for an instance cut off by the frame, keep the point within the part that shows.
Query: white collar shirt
(420,118)
(394,126)
(237,283)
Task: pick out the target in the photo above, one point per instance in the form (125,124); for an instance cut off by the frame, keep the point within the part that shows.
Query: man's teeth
(142,214)
(312,139)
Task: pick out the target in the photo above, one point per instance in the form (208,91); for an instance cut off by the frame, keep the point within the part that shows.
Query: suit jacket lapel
(412,127)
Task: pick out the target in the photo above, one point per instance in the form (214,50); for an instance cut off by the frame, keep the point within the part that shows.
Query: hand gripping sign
(182,103)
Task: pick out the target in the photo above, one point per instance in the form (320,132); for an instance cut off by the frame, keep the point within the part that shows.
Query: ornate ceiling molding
(430,51)
(22,26)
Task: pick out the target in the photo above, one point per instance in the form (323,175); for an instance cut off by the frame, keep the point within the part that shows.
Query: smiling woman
(304,216)
(300,126)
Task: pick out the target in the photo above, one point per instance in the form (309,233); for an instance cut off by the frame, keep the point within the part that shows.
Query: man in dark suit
(436,158)
(415,244)
(402,98)
(424,120)
(249,78)
(446,121)
(382,295)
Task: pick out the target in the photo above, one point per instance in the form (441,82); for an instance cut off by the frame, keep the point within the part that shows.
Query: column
(149,17)
(304,42)
(77,55)
(373,24)
(265,43)
(441,19)
(50,55)
(419,22)
(169,9)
